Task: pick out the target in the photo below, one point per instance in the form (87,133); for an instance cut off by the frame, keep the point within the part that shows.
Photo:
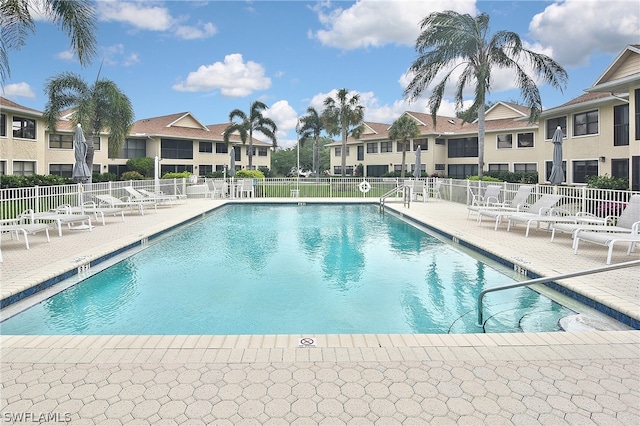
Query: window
(176,168)
(584,168)
(176,148)
(3,167)
(439,167)
(621,125)
(337,170)
(398,167)
(548,166)
(525,167)
(360,153)
(372,148)
(339,151)
(3,125)
(24,168)
(61,141)
(552,125)
(440,141)
(386,146)
(263,151)
(377,170)
(461,171)
(134,148)
(525,140)
(499,167)
(237,154)
(205,147)
(505,141)
(620,168)
(24,128)
(64,170)
(96,143)
(423,143)
(585,123)
(203,169)
(463,147)
(221,148)
(407,146)
(637,112)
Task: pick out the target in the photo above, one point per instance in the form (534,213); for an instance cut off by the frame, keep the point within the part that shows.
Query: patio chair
(420,187)
(436,189)
(59,216)
(544,204)
(113,202)
(490,197)
(217,188)
(630,215)
(244,188)
(16,226)
(518,203)
(553,216)
(137,196)
(609,239)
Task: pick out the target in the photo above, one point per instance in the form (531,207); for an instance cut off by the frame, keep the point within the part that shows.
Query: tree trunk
(404,156)
(89,156)
(481,132)
(316,157)
(344,153)
(250,153)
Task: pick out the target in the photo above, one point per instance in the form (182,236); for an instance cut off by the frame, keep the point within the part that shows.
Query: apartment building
(180,141)
(601,136)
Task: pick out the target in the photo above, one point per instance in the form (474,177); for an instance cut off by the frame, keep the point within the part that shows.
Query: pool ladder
(550,279)
(406,196)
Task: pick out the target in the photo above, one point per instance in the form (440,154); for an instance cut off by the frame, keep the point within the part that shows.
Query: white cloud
(151,16)
(116,55)
(66,55)
(374,23)
(575,29)
(233,77)
(22,90)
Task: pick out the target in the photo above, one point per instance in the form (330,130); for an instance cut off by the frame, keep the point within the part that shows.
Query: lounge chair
(490,197)
(630,215)
(15,227)
(61,215)
(518,203)
(141,198)
(609,239)
(113,202)
(540,207)
(99,212)
(161,198)
(553,216)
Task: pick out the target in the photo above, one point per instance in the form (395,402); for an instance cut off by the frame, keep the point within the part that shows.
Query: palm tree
(75,17)
(449,39)
(254,122)
(403,129)
(343,116)
(100,107)
(310,127)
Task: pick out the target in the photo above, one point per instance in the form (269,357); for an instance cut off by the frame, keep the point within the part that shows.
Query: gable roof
(621,73)
(8,105)
(583,101)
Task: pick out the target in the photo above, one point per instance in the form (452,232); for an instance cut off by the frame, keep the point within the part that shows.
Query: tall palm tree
(343,116)
(403,129)
(99,107)
(449,39)
(254,122)
(75,17)
(311,127)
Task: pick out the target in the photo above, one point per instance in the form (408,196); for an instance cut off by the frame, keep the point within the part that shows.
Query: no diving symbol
(306,342)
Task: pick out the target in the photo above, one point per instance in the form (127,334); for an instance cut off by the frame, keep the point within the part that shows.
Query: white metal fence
(14,201)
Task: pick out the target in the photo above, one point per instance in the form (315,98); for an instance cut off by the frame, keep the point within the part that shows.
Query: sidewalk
(543,378)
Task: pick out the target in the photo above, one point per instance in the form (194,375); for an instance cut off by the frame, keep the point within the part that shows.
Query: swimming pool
(289,269)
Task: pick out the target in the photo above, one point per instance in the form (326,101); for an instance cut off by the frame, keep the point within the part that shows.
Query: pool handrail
(542,280)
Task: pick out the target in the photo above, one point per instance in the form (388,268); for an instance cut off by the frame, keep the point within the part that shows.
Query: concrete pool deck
(589,377)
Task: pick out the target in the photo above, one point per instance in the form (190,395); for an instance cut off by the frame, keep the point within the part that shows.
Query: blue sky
(212,57)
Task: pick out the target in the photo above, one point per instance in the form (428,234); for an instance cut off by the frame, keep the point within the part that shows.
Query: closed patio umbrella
(80,172)
(417,172)
(232,166)
(557,174)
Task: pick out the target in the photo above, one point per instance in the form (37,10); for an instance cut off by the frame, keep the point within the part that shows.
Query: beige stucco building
(601,129)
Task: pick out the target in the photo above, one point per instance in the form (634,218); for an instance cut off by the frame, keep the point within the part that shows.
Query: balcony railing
(13,201)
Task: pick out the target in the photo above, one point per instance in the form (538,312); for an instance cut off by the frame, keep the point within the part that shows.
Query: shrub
(131,175)
(513,177)
(12,181)
(254,174)
(486,179)
(103,177)
(607,182)
(176,175)
(144,165)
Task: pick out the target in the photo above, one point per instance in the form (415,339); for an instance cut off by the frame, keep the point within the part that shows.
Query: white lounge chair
(609,239)
(490,197)
(111,201)
(99,212)
(139,197)
(61,215)
(544,204)
(630,215)
(15,228)
(553,216)
(517,203)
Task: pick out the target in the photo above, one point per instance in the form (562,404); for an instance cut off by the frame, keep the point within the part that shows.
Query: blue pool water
(289,269)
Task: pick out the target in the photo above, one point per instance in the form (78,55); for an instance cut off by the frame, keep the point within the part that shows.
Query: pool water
(290,269)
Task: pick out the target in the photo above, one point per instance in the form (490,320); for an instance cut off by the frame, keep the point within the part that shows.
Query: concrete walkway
(589,377)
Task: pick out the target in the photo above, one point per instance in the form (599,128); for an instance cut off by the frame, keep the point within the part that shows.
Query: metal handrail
(387,194)
(406,196)
(549,279)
